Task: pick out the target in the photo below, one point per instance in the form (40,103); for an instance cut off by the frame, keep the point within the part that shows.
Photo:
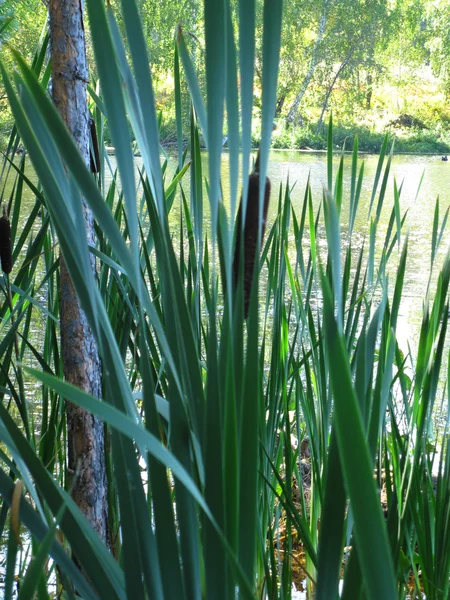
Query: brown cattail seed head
(94,153)
(250,235)
(5,242)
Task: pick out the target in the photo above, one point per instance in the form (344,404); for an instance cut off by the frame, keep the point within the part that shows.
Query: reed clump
(205,411)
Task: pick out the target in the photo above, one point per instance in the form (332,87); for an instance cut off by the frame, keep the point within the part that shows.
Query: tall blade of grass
(232,102)
(185,354)
(397,212)
(312,229)
(180,432)
(196,189)
(380,399)
(338,188)
(299,229)
(373,546)
(215,42)
(371,258)
(178,118)
(378,172)
(358,193)
(216,572)
(271,56)
(331,214)
(230,354)
(247,19)
(331,526)
(399,285)
(330,154)
(250,418)
(193,84)
(435,230)
(384,186)
(186,509)
(420,185)
(353,199)
(146,96)
(115,110)
(443,226)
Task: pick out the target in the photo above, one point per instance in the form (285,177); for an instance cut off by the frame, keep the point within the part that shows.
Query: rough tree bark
(85,433)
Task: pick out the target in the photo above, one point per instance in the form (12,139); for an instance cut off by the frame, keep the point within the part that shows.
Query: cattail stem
(19,372)
(6,263)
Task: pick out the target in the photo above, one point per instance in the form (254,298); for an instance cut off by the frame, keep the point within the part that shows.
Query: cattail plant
(250,236)
(203,470)
(94,153)
(5,242)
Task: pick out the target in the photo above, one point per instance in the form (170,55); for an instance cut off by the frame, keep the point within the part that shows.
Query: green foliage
(206,411)
(369,141)
(367,61)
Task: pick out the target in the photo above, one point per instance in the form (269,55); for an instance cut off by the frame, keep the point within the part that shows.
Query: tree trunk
(85,433)
(312,67)
(329,90)
(369,92)
(280,103)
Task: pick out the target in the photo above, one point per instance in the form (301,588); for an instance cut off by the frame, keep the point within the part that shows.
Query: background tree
(371,60)
(24,20)
(439,42)
(314,57)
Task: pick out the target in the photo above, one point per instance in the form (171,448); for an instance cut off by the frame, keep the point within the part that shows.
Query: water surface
(408,171)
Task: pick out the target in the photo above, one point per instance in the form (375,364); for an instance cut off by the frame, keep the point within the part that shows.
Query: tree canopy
(370,61)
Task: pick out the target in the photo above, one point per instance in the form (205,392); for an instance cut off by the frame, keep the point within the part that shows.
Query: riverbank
(410,134)
(407,140)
